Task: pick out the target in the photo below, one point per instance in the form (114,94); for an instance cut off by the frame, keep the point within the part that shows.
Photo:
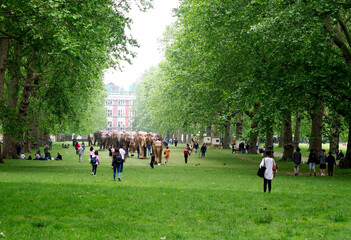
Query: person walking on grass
(95,160)
(323,162)
(331,163)
(80,152)
(152,162)
(91,152)
(312,159)
(203,150)
(186,154)
(269,174)
(117,164)
(166,153)
(297,161)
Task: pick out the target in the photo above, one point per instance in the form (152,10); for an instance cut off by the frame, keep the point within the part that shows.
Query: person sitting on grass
(59,157)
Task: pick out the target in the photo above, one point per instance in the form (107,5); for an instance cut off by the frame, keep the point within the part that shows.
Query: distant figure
(46,152)
(148,149)
(110,151)
(340,155)
(166,153)
(323,162)
(196,146)
(152,162)
(186,154)
(175,142)
(83,146)
(297,161)
(242,147)
(18,149)
(203,150)
(331,163)
(50,144)
(59,156)
(80,152)
(116,164)
(95,162)
(23,156)
(269,163)
(91,152)
(312,159)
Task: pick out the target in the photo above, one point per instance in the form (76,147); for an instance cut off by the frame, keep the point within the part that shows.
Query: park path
(279,154)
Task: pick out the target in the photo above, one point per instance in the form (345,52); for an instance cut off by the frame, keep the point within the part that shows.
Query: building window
(109,124)
(109,113)
(108,102)
(120,124)
(120,113)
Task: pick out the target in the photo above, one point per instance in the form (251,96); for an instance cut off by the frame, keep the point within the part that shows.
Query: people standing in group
(186,155)
(203,150)
(297,161)
(117,164)
(312,159)
(322,162)
(166,153)
(269,163)
(331,163)
(80,152)
(95,162)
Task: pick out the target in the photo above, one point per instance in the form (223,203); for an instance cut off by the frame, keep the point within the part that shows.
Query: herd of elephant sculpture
(130,141)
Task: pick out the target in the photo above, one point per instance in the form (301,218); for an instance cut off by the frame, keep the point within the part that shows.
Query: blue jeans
(94,168)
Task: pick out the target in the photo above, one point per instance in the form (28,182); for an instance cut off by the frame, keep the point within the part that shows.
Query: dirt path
(278,154)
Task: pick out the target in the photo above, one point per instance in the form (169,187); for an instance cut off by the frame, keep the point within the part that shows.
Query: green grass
(62,200)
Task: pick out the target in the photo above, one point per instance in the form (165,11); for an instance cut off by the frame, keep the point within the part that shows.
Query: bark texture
(239,126)
(316,130)
(288,143)
(226,141)
(297,131)
(348,151)
(269,140)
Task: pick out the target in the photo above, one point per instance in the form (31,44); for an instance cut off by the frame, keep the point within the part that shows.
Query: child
(91,152)
(152,160)
(166,153)
(186,154)
(95,162)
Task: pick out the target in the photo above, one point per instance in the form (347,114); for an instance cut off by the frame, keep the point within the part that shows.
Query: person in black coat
(331,163)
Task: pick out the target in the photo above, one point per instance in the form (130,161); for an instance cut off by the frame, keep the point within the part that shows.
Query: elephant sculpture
(141,141)
(129,142)
(97,137)
(90,139)
(157,148)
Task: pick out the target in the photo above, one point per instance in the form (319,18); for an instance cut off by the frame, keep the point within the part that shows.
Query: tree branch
(344,28)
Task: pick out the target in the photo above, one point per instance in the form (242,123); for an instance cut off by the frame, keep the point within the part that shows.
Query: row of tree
(52,57)
(269,61)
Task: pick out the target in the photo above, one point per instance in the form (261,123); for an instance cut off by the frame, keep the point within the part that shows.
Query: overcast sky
(147,29)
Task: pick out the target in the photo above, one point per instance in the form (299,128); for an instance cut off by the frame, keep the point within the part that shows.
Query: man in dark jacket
(297,161)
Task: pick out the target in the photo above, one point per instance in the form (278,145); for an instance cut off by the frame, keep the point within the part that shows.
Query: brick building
(118,105)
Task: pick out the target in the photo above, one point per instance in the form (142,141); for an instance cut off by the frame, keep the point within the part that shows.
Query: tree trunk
(348,151)
(4,51)
(226,141)
(281,137)
(334,135)
(239,126)
(208,131)
(316,130)
(253,137)
(288,143)
(269,140)
(297,131)
(216,132)
(188,140)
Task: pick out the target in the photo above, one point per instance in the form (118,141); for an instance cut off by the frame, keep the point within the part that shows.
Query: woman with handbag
(270,165)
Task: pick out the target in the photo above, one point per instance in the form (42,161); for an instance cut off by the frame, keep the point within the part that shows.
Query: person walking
(203,150)
(186,154)
(323,162)
(312,159)
(123,156)
(331,163)
(117,164)
(175,142)
(95,162)
(80,152)
(91,152)
(196,146)
(166,153)
(269,163)
(297,161)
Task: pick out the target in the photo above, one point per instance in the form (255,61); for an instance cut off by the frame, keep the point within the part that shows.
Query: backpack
(93,160)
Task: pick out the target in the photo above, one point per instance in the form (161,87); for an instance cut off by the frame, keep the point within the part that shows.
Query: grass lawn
(222,198)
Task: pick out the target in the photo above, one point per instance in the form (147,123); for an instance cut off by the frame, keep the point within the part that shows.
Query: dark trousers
(330,170)
(186,158)
(265,181)
(94,168)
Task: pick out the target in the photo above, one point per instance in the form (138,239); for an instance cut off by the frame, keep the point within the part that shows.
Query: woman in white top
(268,162)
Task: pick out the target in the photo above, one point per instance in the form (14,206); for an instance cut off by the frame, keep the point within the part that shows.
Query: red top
(186,152)
(77,146)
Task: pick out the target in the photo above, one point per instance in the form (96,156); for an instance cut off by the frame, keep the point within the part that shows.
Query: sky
(147,28)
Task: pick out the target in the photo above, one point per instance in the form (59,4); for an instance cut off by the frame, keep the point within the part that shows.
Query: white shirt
(268,162)
(122,152)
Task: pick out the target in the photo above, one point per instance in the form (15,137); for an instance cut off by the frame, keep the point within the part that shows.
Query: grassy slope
(62,200)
